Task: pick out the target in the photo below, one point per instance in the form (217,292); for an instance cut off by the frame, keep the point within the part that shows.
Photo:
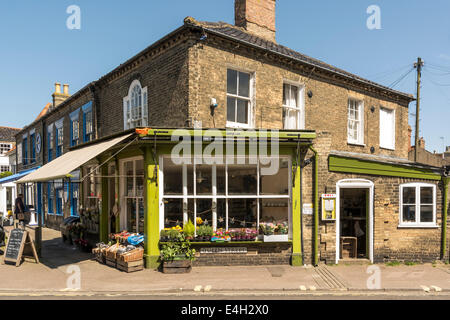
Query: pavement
(60,263)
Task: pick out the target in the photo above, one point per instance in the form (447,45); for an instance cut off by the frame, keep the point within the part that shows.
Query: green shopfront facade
(227,178)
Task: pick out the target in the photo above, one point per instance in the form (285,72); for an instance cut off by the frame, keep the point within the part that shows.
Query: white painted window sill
(387,148)
(356,144)
(418,226)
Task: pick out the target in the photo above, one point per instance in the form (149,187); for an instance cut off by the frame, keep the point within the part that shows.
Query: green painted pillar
(297,254)
(445,181)
(151,211)
(104,205)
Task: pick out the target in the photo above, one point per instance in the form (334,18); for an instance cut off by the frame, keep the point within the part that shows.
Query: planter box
(130,266)
(177,266)
(276,238)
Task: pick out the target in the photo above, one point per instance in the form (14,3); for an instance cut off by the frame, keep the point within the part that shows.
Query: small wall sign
(328,207)
(223,250)
(308,208)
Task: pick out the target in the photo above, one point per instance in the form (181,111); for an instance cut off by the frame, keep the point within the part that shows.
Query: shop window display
(226,196)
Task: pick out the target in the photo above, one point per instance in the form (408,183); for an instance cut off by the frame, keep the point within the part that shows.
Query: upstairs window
(19,153)
(4,168)
(74,128)
(33,147)
(293,107)
(25,150)
(387,128)
(59,137)
(239,102)
(355,125)
(88,127)
(135,106)
(417,205)
(50,142)
(5,147)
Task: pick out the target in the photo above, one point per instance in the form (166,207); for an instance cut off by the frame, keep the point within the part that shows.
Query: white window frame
(360,120)
(214,196)
(417,223)
(300,108)
(5,148)
(391,146)
(123,192)
(250,99)
(19,153)
(128,121)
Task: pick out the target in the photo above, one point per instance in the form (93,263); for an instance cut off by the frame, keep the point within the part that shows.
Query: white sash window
(135,106)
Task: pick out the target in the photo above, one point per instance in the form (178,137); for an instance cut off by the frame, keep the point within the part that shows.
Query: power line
(396,82)
(385,74)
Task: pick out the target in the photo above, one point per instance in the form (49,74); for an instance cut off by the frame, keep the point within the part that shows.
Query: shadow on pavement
(56,253)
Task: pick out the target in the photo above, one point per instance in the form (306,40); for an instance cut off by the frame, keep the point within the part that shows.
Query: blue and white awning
(17,176)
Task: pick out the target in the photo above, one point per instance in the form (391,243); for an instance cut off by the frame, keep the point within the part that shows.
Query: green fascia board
(352,165)
(209,133)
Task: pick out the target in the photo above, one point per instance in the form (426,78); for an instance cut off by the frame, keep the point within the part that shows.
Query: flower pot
(177,266)
(276,238)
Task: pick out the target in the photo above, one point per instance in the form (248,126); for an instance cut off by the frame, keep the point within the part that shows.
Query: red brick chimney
(257,17)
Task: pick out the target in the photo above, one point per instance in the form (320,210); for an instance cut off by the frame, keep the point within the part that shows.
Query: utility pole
(418,65)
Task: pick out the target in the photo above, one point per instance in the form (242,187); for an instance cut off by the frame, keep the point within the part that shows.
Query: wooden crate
(111,262)
(130,266)
(177,266)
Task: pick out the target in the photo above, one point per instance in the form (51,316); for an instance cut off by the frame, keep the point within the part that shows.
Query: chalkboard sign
(15,245)
(18,240)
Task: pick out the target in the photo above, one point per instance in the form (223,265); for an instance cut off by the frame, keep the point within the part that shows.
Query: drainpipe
(446,181)
(316,206)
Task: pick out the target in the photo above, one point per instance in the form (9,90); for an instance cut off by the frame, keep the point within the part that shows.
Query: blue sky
(37,49)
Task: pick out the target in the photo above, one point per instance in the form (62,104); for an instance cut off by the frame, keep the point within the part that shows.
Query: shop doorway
(354,220)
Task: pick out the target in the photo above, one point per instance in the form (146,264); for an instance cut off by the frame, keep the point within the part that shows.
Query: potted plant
(177,256)
(189,230)
(274,232)
(204,233)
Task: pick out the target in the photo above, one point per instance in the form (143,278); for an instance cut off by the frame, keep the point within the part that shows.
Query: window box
(276,238)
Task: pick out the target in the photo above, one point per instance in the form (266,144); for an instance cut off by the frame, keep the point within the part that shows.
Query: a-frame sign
(19,241)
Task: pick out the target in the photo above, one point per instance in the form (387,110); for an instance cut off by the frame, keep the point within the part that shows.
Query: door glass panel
(129,173)
(131,214)
(139,178)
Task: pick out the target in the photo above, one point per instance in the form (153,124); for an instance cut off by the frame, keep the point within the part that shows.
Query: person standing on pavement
(19,209)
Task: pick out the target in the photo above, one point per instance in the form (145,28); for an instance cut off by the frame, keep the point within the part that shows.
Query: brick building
(340,135)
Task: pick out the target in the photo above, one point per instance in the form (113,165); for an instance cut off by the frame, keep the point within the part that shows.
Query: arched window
(135,106)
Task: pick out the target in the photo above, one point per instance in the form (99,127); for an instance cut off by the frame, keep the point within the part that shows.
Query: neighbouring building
(343,184)
(7,189)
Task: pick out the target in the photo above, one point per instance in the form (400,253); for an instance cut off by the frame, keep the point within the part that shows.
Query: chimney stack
(59,97)
(257,17)
(422,143)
